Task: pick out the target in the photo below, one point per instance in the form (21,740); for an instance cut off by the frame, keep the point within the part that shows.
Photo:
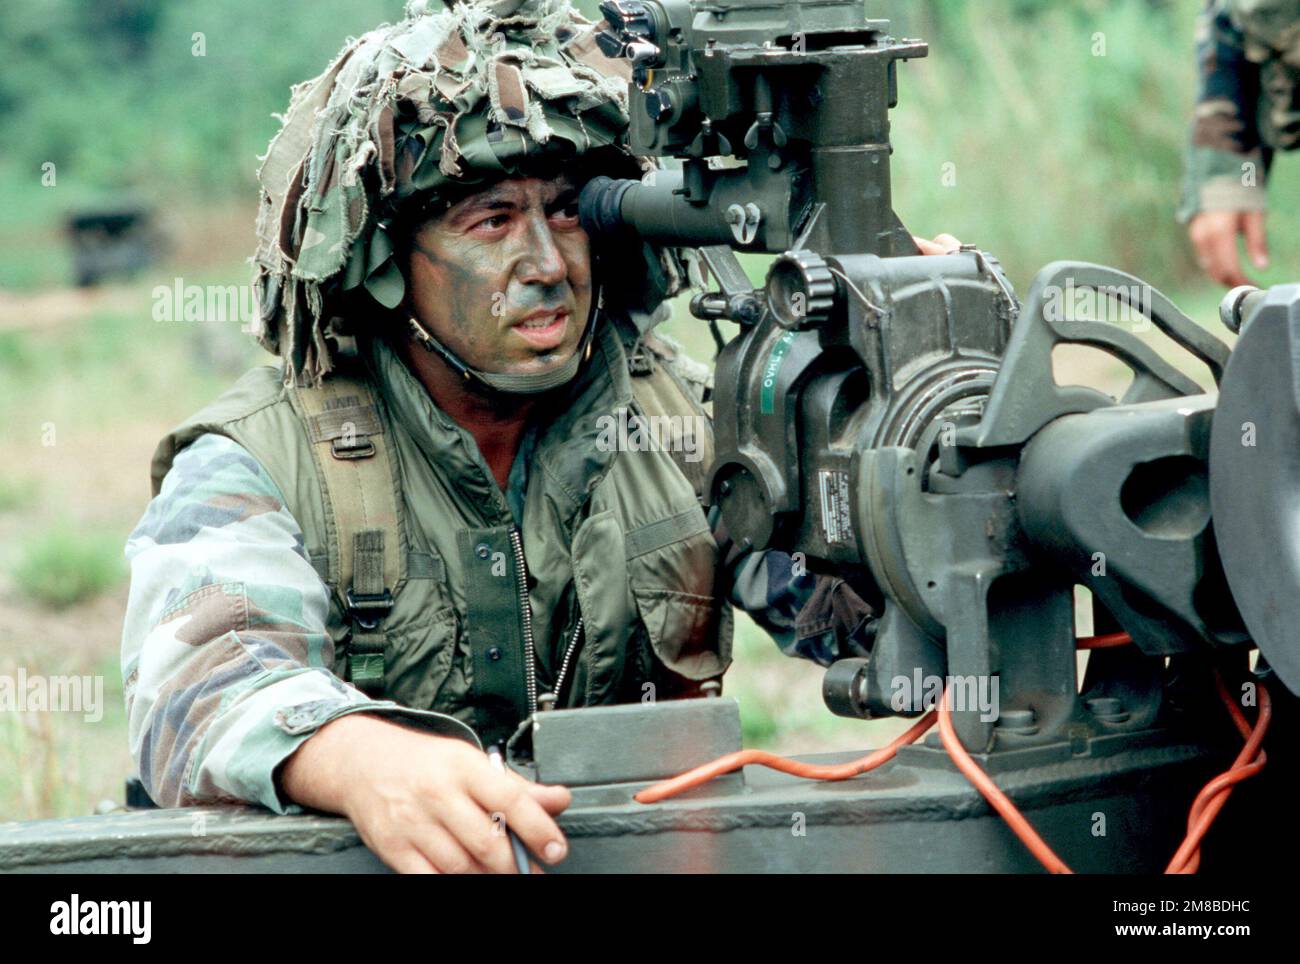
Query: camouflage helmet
(420,110)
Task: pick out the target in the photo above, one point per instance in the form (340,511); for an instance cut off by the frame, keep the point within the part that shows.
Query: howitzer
(895,419)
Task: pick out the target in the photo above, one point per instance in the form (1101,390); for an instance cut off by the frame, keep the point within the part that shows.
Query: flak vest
(608,592)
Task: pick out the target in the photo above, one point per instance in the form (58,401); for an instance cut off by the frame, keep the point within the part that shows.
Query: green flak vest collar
(566,447)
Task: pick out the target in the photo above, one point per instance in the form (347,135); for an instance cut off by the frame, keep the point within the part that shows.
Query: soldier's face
(503,277)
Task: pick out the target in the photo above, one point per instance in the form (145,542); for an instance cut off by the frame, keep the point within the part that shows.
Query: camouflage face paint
(503,277)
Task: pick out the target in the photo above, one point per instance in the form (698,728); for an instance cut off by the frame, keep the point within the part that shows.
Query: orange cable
(1108,641)
(734,761)
(998,800)
(1211,799)
(1205,808)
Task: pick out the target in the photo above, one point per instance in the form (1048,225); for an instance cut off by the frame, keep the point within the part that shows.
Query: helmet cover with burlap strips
(427,108)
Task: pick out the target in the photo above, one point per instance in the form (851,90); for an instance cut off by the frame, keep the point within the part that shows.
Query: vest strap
(659,389)
(366,561)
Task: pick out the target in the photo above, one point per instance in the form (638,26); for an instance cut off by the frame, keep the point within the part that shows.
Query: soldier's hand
(424,803)
(943,244)
(1214,236)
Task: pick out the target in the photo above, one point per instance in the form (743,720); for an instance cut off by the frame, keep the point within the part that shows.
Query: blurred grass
(61,764)
(83,400)
(65,565)
(1064,125)
(16,494)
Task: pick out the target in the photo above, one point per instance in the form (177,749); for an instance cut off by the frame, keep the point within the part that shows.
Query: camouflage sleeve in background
(816,617)
(225,654)
(1228,158)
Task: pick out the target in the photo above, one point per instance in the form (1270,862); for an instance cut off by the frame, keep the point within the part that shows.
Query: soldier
(369,563)
(1247,109)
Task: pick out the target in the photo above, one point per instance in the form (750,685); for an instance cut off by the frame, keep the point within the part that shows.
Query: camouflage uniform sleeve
(225,652)
(1227,163)
(816,617)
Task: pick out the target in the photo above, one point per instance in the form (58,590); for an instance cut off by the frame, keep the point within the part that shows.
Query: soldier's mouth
(544,329)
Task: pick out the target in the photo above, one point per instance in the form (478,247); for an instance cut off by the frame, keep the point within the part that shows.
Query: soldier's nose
(544,263)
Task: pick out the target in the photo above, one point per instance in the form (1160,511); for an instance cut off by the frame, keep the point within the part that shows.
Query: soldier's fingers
(525,815)
(554,800)
(948,244)
(1202,232)
(409,861)
(1256,238)
(1219,258)
(482,836)
(437,845)
(553,797)
(927,247)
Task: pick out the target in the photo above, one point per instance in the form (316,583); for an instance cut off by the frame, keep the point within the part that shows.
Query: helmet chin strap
(511,384)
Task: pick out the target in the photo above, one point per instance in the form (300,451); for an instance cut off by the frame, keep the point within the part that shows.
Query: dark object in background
(111,242)
(137,797)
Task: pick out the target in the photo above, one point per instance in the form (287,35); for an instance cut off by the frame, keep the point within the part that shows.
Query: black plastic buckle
(363,449)
(640,361)
(360,603)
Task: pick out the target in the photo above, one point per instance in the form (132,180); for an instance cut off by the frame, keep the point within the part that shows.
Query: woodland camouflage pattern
(1248,105)
(225,651)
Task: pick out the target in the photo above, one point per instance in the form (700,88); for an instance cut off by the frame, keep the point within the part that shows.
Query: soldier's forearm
(347,757)
(319,772)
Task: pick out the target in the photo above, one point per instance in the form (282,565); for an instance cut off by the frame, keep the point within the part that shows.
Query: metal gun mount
(895,418)
(796,97)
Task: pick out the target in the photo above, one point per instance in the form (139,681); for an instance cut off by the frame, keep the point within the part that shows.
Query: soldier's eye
(493,223)
(566,214)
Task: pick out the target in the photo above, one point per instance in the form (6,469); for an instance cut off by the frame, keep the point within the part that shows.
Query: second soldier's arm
(1227,164)
(815,617)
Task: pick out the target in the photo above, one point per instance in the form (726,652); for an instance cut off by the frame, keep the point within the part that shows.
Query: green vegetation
(60,764)
(1056,131)
(1039,131)
(16,494)
(66,565)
